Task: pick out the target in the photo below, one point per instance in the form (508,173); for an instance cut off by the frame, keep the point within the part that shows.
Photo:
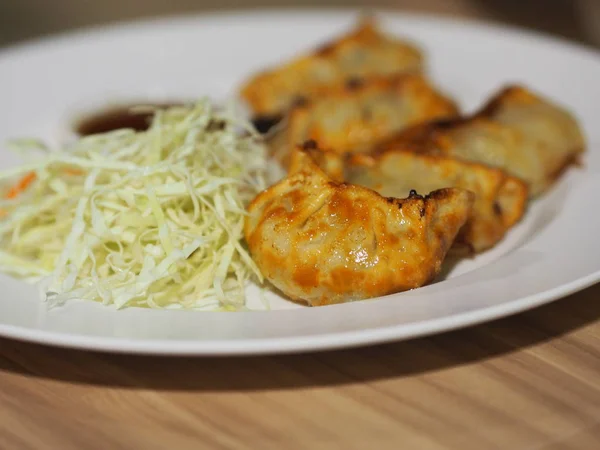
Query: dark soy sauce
(125,116)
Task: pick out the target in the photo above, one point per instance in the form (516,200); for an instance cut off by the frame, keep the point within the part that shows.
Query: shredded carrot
(71,171)
(21,185)
(26,181)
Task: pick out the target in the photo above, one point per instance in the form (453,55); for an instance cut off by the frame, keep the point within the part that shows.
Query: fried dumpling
(324,241)
(364,51)
(518,131)
(500,199)
(355,115)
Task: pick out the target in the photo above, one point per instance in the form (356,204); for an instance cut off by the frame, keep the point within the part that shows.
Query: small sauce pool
(124,116)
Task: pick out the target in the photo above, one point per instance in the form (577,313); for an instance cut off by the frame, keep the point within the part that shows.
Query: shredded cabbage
(150,219)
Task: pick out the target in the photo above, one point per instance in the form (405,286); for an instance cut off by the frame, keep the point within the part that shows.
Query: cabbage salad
(149,219)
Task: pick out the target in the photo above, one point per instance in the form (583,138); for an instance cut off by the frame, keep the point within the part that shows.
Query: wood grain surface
(25,19)
(527,382)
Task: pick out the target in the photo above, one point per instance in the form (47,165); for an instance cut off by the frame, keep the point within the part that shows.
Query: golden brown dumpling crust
(500,199)
(364,51)
(326,242)
(354,116)
(524,134)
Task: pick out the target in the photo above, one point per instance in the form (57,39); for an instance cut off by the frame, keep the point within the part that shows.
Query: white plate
(553,252)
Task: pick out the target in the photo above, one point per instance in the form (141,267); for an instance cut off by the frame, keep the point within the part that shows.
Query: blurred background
(24,19)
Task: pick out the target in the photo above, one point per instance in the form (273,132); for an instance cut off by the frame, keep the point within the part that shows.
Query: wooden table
(527,382)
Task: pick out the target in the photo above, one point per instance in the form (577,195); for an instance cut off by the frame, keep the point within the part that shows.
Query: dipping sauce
(124,116)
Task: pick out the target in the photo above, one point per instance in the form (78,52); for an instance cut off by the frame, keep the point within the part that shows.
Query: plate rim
(296,344)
